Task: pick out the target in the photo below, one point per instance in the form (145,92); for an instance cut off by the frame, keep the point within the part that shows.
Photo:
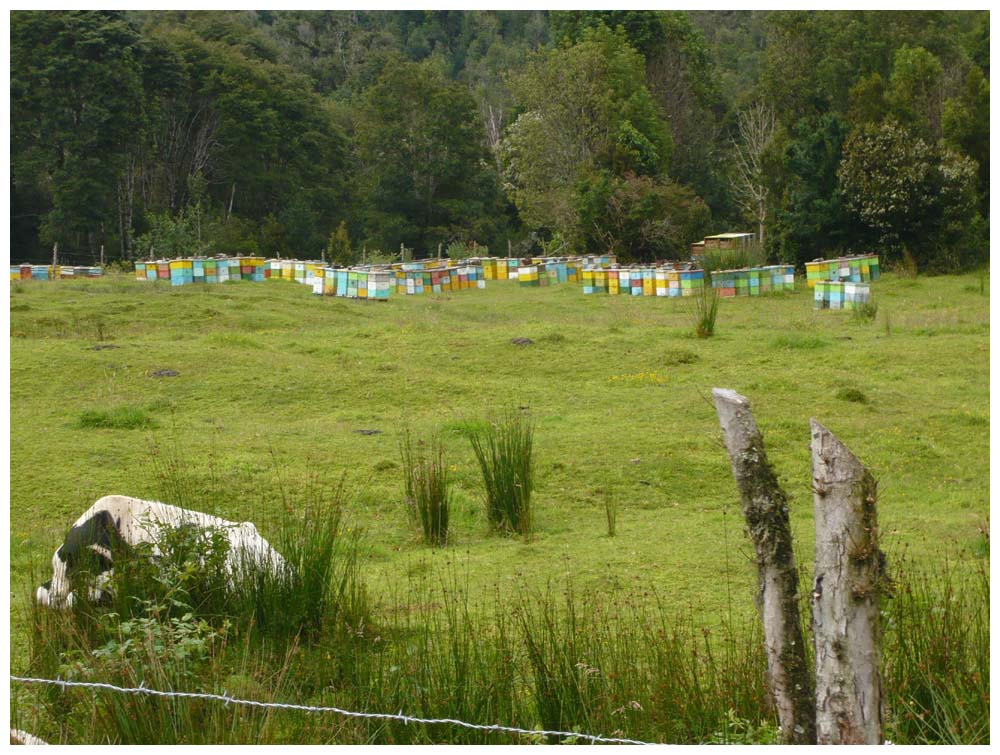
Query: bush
(504,451)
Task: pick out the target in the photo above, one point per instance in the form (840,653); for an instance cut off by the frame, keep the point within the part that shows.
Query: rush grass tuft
(505,452)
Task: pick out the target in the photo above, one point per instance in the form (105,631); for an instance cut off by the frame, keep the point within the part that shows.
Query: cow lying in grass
(117,524)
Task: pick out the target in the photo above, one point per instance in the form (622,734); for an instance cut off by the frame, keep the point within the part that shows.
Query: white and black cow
(115,521)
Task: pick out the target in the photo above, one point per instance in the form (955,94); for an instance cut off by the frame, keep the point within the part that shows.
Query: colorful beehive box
(856,269)
(379,284)
(527,275)
(180,272)
(140,271)
(840,294)
(573,270)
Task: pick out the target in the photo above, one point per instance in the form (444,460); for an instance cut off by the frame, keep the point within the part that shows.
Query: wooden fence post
(845,597)
(765,509)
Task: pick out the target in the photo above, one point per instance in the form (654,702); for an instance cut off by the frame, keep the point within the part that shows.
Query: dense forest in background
(309,133)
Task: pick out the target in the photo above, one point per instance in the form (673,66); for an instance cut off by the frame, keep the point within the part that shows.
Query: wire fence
(227,700)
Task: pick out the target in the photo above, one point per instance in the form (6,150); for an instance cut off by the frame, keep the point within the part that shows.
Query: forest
(345,134)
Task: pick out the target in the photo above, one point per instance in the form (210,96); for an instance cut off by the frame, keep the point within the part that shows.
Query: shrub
(427,488)
(504,451)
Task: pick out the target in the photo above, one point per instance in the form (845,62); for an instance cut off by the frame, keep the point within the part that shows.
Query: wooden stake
(845,597)
(765,509)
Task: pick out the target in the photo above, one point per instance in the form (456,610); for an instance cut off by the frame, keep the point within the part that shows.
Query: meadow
(280,397)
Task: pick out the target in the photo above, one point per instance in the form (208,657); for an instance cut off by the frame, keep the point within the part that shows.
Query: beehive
(840,294)
(754,281)
(857,269)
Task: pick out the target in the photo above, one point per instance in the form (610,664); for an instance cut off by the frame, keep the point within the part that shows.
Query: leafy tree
(640,218)
(965,124)
(813,219)
(585,108)
(916,197)
(915,94)
(76,94)
(423,167)
(338,248)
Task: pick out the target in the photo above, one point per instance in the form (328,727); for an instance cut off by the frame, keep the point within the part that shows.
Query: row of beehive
(439,280)
(509,268)
(857,269)
(181,272)
(352,283)
(641,281)
(53,272)
(549,273)
(840,294)
(753,281)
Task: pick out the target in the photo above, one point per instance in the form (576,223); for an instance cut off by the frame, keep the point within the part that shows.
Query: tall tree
(423,167)
(918,198)
(76,93)
(585,108)
(756,130)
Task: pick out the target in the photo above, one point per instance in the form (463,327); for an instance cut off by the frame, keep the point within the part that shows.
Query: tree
(915,91)
(639,218)
(424,172)
(916,197)
(756,130)
(338,248)
(76,93)
(813,219)
(585,108)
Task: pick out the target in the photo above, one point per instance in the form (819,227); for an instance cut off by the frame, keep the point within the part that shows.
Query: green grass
(274,384)
(116,418)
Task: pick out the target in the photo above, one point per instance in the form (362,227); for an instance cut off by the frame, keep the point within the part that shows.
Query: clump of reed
(505,452)
(706,309)
(427,487)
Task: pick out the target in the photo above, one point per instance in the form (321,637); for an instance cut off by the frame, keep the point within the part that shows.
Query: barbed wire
(225,698)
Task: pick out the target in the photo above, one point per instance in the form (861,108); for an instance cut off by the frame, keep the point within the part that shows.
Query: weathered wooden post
(765,509)
(845,597)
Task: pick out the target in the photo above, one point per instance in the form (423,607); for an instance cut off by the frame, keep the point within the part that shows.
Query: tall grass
(937,658)
(866,311)
(622,666)
(746,255)
(427,488)
(706,309)
(610,510)
(504,450)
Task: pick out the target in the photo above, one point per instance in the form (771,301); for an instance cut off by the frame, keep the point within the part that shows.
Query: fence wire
(226,699)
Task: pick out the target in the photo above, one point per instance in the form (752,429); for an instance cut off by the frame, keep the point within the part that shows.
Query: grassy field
(274,386)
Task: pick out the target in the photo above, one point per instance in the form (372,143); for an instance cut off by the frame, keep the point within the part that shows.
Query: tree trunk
(765,508)
(845,598)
